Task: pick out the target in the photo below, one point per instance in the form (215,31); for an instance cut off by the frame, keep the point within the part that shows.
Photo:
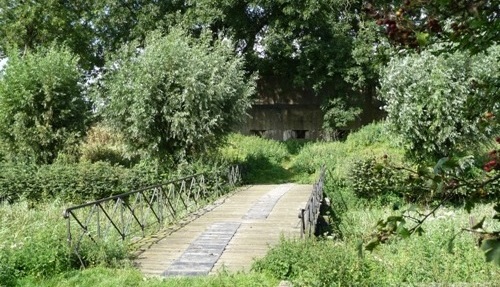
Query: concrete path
(231,235)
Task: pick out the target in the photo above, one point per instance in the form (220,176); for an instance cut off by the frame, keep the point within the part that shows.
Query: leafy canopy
(176,95)
(438,102)
(41,104)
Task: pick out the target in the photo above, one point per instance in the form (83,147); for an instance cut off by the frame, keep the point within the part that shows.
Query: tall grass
(33,243)
(107,277)
(417,260)
(262,159)
(339,157)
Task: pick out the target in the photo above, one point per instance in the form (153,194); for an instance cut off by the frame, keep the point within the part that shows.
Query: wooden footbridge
(197,225)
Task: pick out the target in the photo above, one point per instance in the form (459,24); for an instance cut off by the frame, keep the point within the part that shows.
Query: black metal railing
(309,214)
(134,213)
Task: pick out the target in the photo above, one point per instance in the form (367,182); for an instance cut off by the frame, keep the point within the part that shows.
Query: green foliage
(340,157)
(23,27)
(370,53)
(471,25)
(261,159)
(372,178)
(71,182)
(111,277)
(313,263)
(438,103)
(451,180)
(338,115)
(42,108)
(103,144)
(32,242)
(239,147)
(416,260)
(176,96)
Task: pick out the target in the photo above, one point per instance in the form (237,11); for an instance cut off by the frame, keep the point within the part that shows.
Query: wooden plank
(184,252)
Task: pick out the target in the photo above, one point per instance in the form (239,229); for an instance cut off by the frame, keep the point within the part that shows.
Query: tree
(174,96)
(438,102)
(90,28)
(472,24)
(297,47)
(307,43)
(30,24)
(41,104)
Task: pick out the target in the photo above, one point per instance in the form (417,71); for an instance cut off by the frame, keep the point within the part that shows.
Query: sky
(2,63)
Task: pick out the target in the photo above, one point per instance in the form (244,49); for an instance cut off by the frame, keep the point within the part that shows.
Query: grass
(416,260)
(33,250)
(104,277)
(329,262)
(262,160)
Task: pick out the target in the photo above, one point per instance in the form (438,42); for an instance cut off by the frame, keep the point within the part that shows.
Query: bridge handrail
(125,194)
(309,214)
(133,212)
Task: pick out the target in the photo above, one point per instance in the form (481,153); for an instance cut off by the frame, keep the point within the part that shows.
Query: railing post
(122,213)
(303,223)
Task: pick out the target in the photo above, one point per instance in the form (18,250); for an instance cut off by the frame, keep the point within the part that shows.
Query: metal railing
(136,212)
(309,214)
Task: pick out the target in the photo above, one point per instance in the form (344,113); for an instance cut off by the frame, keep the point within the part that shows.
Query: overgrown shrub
(440,103)
(16,180)
(42,105)
(261,159)
(339,157)
(372,177)
(72,182)
(104,144)
(177,96)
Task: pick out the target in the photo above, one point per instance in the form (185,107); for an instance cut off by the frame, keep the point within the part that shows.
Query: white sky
(2,63)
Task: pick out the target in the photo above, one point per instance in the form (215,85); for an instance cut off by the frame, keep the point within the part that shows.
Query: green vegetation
(261,159)
(372,141)
(42,105)
(194,91)
(99,97)
(105,277)
(418,260)
(74,182)
(337,258)
(438,102)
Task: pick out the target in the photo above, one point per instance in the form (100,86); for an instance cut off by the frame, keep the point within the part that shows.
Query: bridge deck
(231,235)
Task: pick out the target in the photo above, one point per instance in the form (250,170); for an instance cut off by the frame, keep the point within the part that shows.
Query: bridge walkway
(231,235)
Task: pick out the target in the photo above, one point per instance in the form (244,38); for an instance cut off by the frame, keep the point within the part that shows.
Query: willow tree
(174,96)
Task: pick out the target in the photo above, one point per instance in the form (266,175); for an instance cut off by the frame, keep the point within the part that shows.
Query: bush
(372,177)
(72,182)
(440,104)
(339,157)
(261,159)
(177,96)
(16,180)
(42,107)
(104,144)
